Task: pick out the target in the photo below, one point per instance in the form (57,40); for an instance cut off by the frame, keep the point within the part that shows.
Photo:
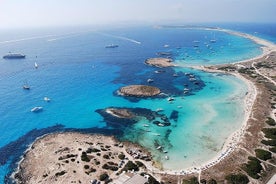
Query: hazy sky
(18,13)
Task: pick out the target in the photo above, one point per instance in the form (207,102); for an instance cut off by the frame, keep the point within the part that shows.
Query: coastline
(236,137)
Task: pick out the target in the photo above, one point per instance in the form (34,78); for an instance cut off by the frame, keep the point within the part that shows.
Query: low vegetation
(253,167)
(263,154)
(237,179)
(103,177)
(130,166)
(270,121)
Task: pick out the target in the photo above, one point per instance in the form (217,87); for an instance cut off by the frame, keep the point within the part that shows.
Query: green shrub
(86,166)
(84,157)
(270,121)
(237,179)
(212,181)
(192,180)
(110,167)
(106,157)
(252,167)
(273,149)
(60,173)
(270,142)
(103,177)
(263,154)
(139,164)
(130,166)
(121,156)
(270,133)
(90,150)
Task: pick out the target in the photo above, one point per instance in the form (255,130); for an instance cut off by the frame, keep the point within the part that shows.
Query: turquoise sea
(81,76)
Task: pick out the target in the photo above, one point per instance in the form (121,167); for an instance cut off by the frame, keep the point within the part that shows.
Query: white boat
(166,46)
(145,125)
(156,134)
(175,75)
(111,46)
(159,147)
(167,157)
(26,87)
(35,65)
(159,109)
(36,109)
(150,80)
(46,99)
(170,99)
(213,41)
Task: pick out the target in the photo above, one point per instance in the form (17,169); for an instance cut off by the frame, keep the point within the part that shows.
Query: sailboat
(35,65)
(26,86)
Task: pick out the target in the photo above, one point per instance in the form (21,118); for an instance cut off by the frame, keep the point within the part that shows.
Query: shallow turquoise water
(81,76)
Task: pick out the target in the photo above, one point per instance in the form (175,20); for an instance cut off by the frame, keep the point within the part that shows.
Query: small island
(139,91)
(160,62)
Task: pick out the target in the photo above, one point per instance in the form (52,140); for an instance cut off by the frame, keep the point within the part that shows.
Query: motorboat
(26,87)
(46,99)
(170,99)
(36,109)
(150,80)
(111,46)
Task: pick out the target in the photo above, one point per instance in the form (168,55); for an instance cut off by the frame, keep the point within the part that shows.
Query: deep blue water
(81,76)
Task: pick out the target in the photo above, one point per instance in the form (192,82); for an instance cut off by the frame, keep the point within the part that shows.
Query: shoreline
(233,141)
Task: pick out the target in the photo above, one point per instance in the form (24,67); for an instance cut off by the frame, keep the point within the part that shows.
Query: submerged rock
(117,116)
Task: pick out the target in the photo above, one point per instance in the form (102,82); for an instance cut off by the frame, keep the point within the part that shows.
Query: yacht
(159,109)
(14,56)
(150,80)
(36,109)
(170,99)
(159,147)
(35,65)
(111,46)
(26,87)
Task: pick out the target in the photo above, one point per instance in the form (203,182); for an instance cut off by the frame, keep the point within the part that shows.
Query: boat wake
(65,36)
(25,39)
(120,37)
